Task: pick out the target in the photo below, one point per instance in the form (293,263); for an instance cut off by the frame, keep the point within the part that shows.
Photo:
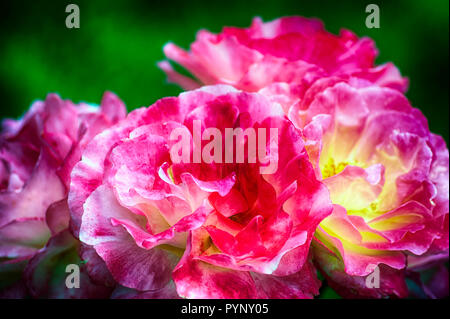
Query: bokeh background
(120,41)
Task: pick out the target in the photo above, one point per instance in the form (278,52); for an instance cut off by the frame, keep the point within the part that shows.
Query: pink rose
(215,229)
(388,180)
(37,154)
(293,50)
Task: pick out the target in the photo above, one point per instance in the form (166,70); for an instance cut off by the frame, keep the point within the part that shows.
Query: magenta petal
(96,267)
(135,267)
(112,107)
(58,216)
(199,280)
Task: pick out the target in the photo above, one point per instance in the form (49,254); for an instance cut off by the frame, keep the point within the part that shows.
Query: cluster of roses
(361,183)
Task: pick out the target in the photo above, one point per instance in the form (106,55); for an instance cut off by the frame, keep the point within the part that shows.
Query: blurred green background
(119,43)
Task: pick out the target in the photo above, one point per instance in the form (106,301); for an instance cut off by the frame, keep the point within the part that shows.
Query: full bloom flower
(37,154)
(218,230)
(388,180)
